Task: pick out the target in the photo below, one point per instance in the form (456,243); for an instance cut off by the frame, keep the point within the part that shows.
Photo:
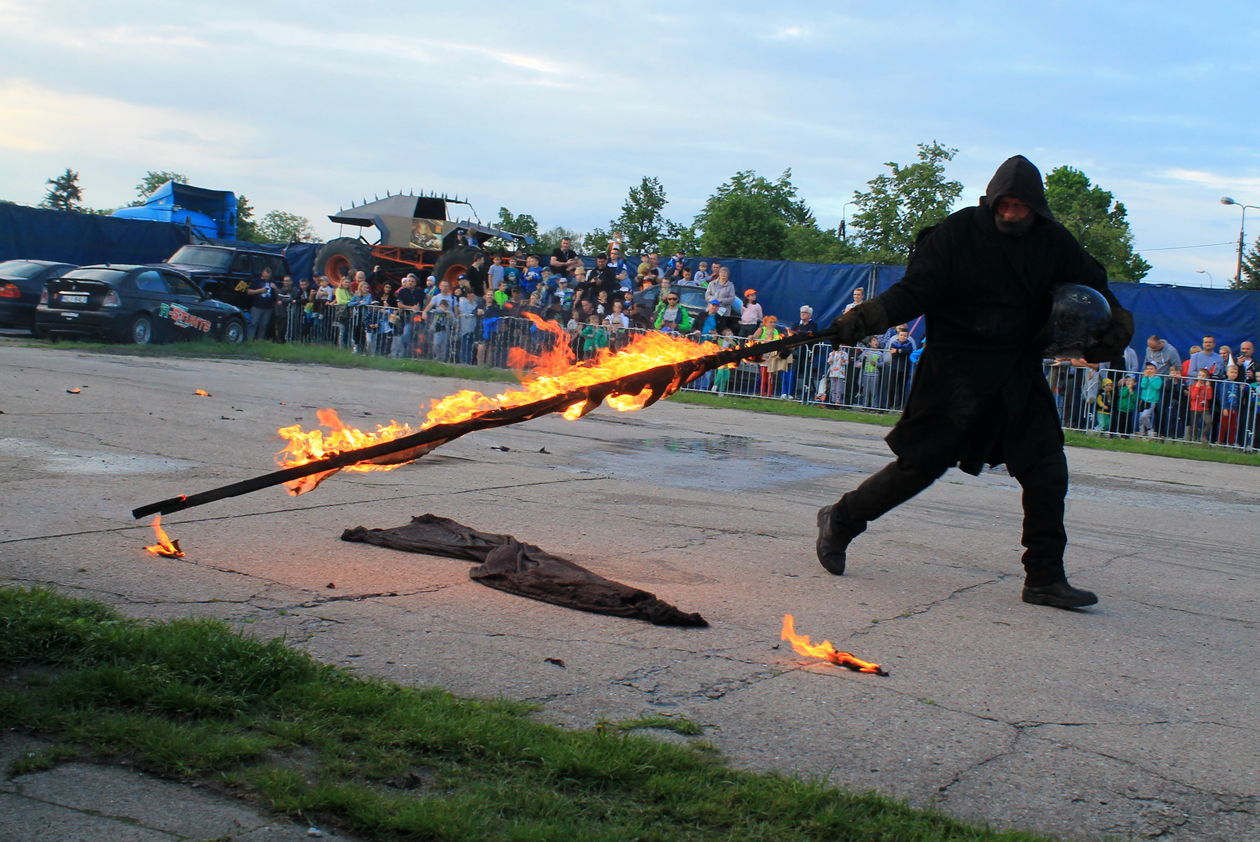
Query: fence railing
(1166,407)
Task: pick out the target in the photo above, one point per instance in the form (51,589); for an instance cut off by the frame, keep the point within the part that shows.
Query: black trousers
(1044,485)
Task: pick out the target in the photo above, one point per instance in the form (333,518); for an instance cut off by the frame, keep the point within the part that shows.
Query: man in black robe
(983,278)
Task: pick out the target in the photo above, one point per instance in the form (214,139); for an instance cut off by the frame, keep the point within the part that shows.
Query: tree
(153,179)
(65,194)
(810,244)
(1251,267)
(283,227)
(1097,220)
(741,225)
(902,202)
(549,241)
(776,222)
(642,224)
(246,228)
(524,224)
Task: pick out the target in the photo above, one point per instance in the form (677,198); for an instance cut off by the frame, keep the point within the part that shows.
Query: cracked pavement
(1131,720)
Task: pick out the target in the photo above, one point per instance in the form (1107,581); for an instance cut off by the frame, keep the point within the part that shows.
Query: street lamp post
(1226,200)
(844,221)
(1211,282)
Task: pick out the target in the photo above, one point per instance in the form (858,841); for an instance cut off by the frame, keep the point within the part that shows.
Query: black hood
(1018,177)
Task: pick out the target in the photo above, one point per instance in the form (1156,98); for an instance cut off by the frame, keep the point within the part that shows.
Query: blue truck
(208,213)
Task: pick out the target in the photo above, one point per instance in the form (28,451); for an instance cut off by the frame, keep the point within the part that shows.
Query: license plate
(74,297)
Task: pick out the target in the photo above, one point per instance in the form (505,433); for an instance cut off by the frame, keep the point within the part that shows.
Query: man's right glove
(1110,346)
(864,320)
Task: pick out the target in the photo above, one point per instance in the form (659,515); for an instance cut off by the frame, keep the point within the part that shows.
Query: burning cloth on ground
(523,569)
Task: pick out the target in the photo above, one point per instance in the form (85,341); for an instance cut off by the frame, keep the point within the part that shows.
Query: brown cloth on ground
(524,570)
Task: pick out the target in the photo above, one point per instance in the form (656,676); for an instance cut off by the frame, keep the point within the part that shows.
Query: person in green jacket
(1150,389)
(670,316)
(1126,406)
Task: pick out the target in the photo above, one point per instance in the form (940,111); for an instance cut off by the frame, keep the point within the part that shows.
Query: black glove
(1115,338)
(864,320)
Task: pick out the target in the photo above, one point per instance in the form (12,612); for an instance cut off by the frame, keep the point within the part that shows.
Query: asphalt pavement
(1134,719)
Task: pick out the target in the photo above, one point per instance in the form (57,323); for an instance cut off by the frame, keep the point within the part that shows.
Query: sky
(557,108)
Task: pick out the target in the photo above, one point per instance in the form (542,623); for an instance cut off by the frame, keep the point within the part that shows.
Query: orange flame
(164,547)
(202,393)
(553,371)
(802,646)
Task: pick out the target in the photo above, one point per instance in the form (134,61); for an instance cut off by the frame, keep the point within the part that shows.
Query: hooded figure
(983,278)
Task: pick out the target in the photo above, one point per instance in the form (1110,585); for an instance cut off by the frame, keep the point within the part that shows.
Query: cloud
(45,120)
(787,33)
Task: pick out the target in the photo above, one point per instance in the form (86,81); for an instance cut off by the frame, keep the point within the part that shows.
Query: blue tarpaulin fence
(83,238)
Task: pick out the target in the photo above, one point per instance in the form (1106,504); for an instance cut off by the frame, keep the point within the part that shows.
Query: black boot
(834,535)
(1059,595)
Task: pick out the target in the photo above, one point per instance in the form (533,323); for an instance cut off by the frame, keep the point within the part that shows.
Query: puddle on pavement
(731,463)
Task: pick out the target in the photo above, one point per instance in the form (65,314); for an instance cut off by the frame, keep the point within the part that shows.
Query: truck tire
(454,263)
(342,256)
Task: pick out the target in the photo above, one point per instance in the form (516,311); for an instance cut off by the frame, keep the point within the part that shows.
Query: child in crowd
(1103,403)
(869,363)
(1126,406)
(1200,399)
(1229,397)
(722,377)
(701,276)
(594,337)
(1150,390)
(533,275)
(837,371)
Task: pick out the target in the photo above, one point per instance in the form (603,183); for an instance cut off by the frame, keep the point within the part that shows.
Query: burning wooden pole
(662,380)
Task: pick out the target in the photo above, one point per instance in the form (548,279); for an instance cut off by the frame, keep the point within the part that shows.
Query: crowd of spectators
(1212,395)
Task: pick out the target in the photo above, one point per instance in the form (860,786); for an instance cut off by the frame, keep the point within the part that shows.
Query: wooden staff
(663,380)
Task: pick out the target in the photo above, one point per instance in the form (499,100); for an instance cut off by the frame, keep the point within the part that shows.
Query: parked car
(21,282)
(224,272)
(138,304)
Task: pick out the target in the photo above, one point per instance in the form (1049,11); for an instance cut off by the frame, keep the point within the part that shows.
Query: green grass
(326,355)
(192,700)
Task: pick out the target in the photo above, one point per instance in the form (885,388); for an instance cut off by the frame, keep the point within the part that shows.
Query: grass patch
(327,355)
(191,699)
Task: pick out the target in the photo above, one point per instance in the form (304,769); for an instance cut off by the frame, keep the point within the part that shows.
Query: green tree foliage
(741,225)
(153,179)
(902,202)
(523,224)
(642,224)
(283,227)
(1097,220)
(64,193)
(1251,267)
(779,225)
(549,241)
(686,240)
(811,244)
(246,227)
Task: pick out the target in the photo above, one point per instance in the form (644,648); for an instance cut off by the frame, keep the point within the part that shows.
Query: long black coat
(979,395)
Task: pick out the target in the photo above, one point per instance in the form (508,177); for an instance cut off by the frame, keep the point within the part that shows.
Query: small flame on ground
(202,393)
(552,371)
(825,650)
(164,547)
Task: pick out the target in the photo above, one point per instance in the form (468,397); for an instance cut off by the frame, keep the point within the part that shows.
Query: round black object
(1079,316)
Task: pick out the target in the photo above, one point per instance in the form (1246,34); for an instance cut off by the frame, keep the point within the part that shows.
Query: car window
(150,281)
(179,285)
(240,263)
(211,258)
(20,269)
(109,276)
(278,267)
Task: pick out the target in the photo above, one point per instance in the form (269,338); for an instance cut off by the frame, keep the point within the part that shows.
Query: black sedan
(21,282)
(139,304)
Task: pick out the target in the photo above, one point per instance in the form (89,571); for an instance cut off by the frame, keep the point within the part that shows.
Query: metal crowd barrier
(862,377)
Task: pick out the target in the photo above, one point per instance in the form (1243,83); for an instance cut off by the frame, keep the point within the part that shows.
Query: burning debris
(825,650)
(202,393)
(164,547)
